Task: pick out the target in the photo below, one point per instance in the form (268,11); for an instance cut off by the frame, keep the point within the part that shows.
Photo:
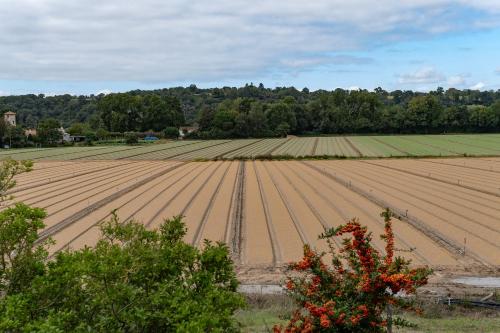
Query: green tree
(171,132)
(159,113)
(131,138)
(121,112)
(426,111)
(77,129)
(48,131)
(280,113)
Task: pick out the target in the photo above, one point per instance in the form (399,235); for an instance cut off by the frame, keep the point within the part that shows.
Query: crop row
(267,210)
(345,146)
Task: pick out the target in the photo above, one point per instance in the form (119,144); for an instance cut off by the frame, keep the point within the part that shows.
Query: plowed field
(266,211)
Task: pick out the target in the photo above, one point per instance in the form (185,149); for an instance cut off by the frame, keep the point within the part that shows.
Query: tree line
(256,111)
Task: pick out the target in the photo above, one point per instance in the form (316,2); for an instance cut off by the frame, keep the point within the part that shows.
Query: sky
(90,47)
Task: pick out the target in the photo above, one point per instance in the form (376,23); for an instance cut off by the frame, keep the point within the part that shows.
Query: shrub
(352,293)
(131,138)
(171,132)
(133,280)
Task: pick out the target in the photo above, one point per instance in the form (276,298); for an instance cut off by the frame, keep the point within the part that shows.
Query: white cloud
(478,86)
(104,91)
(457,80)
(428,77)
(354,88)
(198,40)
(3,93)
(423,75)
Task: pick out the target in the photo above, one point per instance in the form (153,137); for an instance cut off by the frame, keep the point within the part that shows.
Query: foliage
(131,138)
(48,131)
(78,129)
(351,294)
(8,170)
(256,111)
(20,260)
(127,112)
(171,132)
(133,280)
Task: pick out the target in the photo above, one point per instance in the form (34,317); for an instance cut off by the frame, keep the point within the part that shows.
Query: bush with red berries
(351,294)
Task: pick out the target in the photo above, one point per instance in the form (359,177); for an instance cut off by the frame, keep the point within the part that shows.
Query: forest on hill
(256,111)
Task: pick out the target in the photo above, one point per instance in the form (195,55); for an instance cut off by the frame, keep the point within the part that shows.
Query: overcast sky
(84,47)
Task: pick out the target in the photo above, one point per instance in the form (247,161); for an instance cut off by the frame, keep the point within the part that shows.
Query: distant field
(345,146)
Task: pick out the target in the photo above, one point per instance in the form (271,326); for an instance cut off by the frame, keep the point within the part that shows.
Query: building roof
(10,113)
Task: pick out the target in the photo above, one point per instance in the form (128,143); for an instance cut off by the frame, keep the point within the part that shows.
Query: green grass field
(335,147)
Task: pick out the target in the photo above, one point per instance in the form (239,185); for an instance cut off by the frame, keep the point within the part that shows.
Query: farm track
(266,210)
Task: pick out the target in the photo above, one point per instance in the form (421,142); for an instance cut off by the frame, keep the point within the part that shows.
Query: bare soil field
(449,209)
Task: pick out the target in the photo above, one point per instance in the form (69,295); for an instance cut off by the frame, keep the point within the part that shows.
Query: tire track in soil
(46,233)
(192,151)
(183,188)
(234,231)
(430,145)
(422,198)
(466,175)
(94,169)
(368,215)
(154,151)
(460,166)
(43,158)
(127,202)
(277,255)
(315,147)
(310,206)
(204,218)
(353,147)
(87,197)
(471,145)
(446,189)
(89,157)
(472,188)
(131,215)
(405,153)
(338,210)
(451,246)
(168,202)
(443,176)
(238,148)
(86,181)
(288,207)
